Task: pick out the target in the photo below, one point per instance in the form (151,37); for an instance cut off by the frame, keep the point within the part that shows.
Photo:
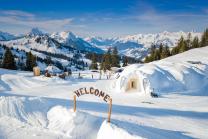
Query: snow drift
(43,114)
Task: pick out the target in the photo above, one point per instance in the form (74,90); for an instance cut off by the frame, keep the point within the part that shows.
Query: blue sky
(105,18)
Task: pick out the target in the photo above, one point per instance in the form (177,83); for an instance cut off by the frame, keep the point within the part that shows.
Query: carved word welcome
(92,91)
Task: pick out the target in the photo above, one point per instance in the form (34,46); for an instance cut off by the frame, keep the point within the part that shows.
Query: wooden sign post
(75,103)
(109,110)
(96,92)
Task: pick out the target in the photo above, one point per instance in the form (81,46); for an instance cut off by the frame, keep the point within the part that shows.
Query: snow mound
(72,124)
(27,110)
(111,131)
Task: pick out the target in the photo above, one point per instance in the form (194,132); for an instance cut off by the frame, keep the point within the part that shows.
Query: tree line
(182,46)
(9,62)
(110,59)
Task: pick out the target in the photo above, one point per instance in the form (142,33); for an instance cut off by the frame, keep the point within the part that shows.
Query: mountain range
(136,46)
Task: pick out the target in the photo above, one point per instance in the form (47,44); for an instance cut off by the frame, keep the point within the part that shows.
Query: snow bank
(111,131)
(27,110)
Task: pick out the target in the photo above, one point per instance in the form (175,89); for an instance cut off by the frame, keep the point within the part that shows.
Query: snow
(41,108)
(108,130)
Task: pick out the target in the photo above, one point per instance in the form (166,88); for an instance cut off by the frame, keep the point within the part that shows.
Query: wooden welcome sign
(96,92)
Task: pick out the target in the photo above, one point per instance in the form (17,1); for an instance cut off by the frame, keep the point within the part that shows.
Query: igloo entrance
(133,85)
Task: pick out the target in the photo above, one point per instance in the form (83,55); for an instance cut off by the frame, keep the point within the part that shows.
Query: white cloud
(28,20)
(16,13)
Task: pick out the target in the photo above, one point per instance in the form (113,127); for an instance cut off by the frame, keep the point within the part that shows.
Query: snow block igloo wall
(132,80)
(162,77)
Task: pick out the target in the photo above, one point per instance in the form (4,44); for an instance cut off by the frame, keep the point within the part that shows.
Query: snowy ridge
(4,36)
(67,38)
(138,45)
(58,43)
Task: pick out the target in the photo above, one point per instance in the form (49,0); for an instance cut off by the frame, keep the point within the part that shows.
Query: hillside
(68,53)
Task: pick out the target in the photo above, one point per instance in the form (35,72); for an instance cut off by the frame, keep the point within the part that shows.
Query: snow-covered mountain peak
(64,36)
(68,35)
(36,32)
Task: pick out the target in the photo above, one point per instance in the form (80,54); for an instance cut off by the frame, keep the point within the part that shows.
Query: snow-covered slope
(137,45)
(42,45)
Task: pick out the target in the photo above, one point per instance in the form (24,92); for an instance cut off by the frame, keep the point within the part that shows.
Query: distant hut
(36,71)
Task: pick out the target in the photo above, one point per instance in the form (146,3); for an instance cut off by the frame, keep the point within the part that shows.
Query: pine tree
(195,42)
(125,61)
(188,41)
(115,58)
(182,45)
(157,55)
(8,60)
(161,48)
(147,59)
(94,63)
(48,60)
(152,55)
(30,61)
(106,62)
(204,38)
(165,52)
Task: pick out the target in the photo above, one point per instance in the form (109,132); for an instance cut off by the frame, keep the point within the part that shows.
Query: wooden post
(75,105)
(109,110)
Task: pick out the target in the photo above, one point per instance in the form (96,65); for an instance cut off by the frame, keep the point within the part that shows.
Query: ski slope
(41,107)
